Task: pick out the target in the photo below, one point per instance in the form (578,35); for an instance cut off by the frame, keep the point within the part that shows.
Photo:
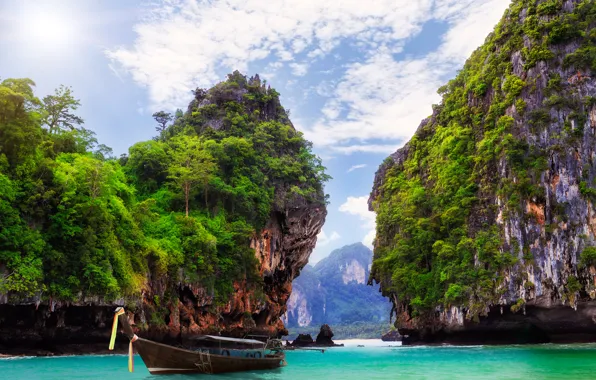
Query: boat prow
(213,355)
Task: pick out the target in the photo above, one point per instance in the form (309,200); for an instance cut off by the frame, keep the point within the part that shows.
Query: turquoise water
(573,362)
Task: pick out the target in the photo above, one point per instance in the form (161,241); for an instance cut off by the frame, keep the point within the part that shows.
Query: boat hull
(162,359)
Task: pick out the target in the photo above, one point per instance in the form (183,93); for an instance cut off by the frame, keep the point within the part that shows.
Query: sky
(358,76)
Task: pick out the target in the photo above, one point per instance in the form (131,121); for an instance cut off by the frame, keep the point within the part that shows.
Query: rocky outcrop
(391,336)
(323,339)
(303,340)
(173,309)
(557,323)
(325,335)
(282,248)
(534,196)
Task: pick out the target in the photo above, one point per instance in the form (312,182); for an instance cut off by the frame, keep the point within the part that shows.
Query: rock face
(170,310)
(325,335)
(298,308)
(303,340)
(501,182)
(334,291)
(282,248)
(353,272)
(323,339)
(391,336)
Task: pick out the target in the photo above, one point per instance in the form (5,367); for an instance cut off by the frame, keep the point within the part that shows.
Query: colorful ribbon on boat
(120,311)
(131,364)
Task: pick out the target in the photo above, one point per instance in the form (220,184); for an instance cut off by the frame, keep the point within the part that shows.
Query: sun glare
(49,30)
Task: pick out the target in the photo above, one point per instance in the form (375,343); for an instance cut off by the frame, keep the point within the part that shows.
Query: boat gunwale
(148,351)
(277,356)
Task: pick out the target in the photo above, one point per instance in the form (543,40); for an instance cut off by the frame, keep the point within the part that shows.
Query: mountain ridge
(334,291)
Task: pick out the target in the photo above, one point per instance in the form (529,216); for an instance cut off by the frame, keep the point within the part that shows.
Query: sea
(376,360)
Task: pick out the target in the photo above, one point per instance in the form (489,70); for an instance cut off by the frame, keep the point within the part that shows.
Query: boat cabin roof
(223,339)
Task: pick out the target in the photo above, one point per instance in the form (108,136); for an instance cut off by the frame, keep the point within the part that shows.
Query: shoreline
(348,343)
(367,342)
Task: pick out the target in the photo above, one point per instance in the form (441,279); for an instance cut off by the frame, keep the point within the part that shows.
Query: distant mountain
(334,291)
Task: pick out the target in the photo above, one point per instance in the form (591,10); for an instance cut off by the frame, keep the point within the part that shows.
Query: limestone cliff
(486,220)
(278,223)
(334,291)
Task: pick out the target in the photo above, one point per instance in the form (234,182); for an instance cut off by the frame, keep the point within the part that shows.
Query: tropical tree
(162,118)
(148,164)
(191,165)
(19,119)
(58,110)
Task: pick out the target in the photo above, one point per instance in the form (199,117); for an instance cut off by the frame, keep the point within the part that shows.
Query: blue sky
(358,76)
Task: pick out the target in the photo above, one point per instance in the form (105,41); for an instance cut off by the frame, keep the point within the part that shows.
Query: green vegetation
(571,288)
(75,222)
(436,244)
(518,305)
(588,256)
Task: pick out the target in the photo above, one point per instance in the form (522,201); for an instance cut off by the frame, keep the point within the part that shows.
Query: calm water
(571,362)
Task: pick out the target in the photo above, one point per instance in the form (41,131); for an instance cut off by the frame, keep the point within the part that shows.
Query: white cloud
(368,239)
(325,88)
(359,206)
(323,239)
(332,110)
(387,98)
(299,69)
(355,167)
(182,44)
(270,71)
(384,99)
(276,65)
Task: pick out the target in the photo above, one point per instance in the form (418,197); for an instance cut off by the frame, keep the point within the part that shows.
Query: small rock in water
(323,339)
(325,335)
(303,340)
(391,336)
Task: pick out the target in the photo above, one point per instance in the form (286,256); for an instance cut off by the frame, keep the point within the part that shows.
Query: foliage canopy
(75,222)
(436,242)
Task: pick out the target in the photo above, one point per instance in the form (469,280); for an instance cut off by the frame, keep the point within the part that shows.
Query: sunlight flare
(52,29)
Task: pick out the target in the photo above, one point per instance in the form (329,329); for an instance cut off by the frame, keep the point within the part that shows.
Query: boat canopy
(223,339)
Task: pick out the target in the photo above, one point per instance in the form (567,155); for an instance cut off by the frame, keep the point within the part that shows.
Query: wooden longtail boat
(212,354)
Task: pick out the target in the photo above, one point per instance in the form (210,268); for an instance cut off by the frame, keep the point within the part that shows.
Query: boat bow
(242,355)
